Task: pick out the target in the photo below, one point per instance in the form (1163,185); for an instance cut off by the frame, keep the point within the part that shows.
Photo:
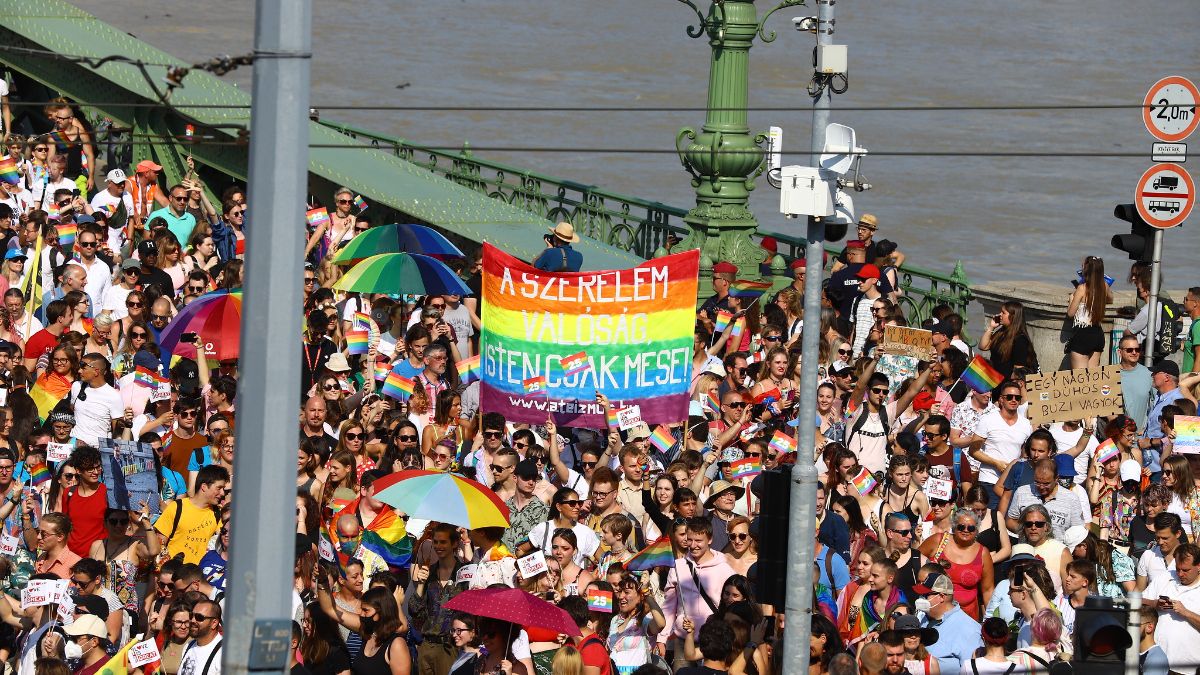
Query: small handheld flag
(748,290)
(745,468)
(361,321)
(535,385)
(739,325)
(38,474)
(712,403)
(1106,451)
(980,376)
(600,601)
(468,369)
(397,386)
(145,377)
(357,342)
(575,363)
(782,443)
(864,482)
(8,170)
(360,203)
(657,554)
(612,417)
(381,370)
(723,319)
(317,217)
(662,439)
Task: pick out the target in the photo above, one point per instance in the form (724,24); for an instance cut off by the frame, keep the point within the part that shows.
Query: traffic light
(1139,242)
(1101,636)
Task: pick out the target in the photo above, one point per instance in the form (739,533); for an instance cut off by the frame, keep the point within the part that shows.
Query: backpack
(612,667)
(1168,339)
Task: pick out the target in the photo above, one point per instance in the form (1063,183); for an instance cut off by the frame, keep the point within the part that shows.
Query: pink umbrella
(515,606)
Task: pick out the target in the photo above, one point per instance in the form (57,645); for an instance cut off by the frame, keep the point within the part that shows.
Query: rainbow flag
(626,319)
(381,370)
(611,417)
(9,173)
(723,319)
(657,554)
(47,392)
(739,326)
(38,474)
(712,402)
(52,211)
(748,290)
(535,385)
(357,342)
(600,601)
(782,443)
(385,536)
(397,386)
(66,234)
(317,217)
(864,482)
(662,438)
(360,203)
(980,376)
(468,369)
(361,321)
(1187,433)
(574,364)
(143,376)
(1106,451)
(746,468)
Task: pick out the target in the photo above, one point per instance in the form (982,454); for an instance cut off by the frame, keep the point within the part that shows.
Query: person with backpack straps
(559,256)
(994,659)
(869,415)
(189,522)
(202,656)
(694,585)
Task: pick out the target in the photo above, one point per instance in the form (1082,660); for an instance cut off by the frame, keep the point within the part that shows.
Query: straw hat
(565,231)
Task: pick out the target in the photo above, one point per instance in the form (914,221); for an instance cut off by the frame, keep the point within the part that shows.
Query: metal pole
(259,600)
(1133,654)
(798,603)
(1152,310)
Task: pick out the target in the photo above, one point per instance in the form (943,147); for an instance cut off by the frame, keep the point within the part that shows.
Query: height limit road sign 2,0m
(1165,195)
(1169,109)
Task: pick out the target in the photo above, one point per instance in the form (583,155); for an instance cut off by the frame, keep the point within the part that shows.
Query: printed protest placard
(59,452)
(908,341)
(130,475)
(532,565)
(1066,395)
(466,574)
(628,418)
(8,544)
(937,488)
(143,652)
(634,327)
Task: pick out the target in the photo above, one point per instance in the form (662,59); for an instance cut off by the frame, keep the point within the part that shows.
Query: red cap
(725,268)
(769,244)
(855,243)
(868,271)
(798,263)
(147,165)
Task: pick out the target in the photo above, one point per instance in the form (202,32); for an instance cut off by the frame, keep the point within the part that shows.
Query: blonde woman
(170,259)
(340,228)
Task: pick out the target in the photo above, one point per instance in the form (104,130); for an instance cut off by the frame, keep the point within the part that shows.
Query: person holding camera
(559,256)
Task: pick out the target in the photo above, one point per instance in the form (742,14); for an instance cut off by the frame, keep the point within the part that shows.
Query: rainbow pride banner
(635,326)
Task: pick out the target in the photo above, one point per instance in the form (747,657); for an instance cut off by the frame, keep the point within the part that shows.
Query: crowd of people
(953,536)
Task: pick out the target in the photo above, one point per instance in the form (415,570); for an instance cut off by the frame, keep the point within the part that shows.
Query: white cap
(1131,470)
(115,176)
(1074,536)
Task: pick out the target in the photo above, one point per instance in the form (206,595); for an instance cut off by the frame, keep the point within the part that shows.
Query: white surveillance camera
(805,24)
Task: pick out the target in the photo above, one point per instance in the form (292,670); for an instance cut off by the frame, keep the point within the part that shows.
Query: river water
(1006,218)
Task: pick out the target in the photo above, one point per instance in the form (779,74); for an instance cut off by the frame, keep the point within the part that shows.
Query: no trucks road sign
(1165,195)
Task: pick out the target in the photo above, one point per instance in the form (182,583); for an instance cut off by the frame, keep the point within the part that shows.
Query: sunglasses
(736,404)
(309,280)
(343,201)
(139,334)
(588,465)
(964,528)
(883,391)
(738,536)
(86,244)
(938,503)
(158,317)
(1132,350)
(573,503)
(351,436)
(901,533)
(407,438)
(493,434)
(188,413)
(772,338)
(1010,397)
(196,289)
(330,387)
(197,616)
(1034,524)
(843,352)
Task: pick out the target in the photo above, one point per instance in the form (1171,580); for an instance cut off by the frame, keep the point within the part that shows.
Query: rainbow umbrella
(396,238)
(399,273)
(217,317)
(442,497)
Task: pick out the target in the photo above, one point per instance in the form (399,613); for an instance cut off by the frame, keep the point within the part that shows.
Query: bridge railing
(636,225)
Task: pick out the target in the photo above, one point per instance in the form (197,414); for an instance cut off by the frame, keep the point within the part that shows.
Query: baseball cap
(1074,536)
(15,253)
(639,432)
(88,624)
(84,218)
(868,271)
(147,165)
(1164,366)
(527,469)
(145,359)
(147,249)
(1065,464)
(115,176)
(943,328)
(935,583)
(130,264)
(1131,470)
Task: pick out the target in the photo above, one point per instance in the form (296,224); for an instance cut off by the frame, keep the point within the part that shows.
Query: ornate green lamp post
(723,158)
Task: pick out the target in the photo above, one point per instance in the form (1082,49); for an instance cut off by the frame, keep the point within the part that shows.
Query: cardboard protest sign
(143,652)
(937,488)
(1067,395)
(466,574)
(634,327)
(59,452)
(130,475)
(628,418)
(908,342)
(8,544)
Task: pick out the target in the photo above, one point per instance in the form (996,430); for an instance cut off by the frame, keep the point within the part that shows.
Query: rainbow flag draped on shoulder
(552,340)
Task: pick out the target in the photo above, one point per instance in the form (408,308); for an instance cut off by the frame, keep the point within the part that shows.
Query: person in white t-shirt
(1002,432)
(98,406)
(107,200)
(1067,435)
(1176,596)
(202,656)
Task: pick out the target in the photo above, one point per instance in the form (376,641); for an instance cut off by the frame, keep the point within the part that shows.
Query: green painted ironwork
(637,225)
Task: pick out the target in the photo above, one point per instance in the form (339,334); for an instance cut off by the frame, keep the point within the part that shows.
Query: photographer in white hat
(559,256)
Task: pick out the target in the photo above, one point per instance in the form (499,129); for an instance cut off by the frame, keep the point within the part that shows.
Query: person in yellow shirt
(188,523)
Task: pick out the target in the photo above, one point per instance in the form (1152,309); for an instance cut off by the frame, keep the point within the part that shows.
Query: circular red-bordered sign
(1165,195)
(1169,109)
